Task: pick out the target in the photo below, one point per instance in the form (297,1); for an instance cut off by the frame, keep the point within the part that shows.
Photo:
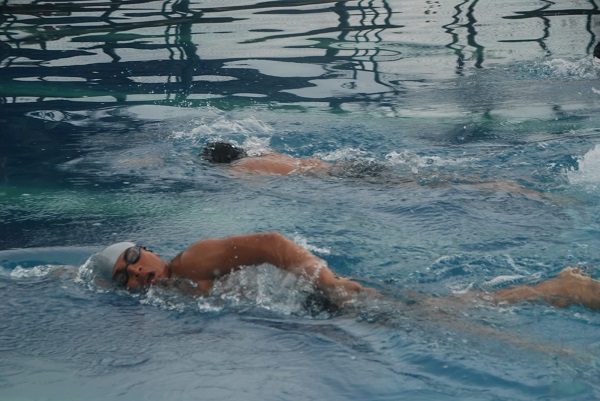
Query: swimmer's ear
(222,152)
(597,51)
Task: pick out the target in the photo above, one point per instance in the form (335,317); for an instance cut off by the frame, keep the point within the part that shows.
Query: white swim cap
(105,259)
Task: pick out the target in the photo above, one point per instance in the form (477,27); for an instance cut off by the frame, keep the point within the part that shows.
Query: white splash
(415,161)
(222,127)
(340,155)
(584,68)
(303,242)
(86,270)
(588,173)
(163,299)
(20,272)
(255,146)
(264,286)
(503,280)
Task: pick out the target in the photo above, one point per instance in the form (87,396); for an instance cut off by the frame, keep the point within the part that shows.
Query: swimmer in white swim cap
(130,265)
(134,266)
(105,260)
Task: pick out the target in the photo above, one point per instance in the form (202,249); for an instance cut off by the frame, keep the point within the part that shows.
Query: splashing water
(578,69)
(587,175)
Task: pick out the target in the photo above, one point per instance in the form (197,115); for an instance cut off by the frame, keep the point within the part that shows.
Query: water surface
(105,105)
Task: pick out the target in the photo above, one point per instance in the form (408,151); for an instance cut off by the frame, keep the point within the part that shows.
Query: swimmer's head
(222,152)
(130,265)
(107,258)
(597,51)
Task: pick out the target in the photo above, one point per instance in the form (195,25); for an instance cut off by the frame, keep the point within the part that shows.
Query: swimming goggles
(131,256)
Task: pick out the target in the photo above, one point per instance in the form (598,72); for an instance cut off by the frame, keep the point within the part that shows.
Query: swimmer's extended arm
(277,164)
(570,287)
(212,258)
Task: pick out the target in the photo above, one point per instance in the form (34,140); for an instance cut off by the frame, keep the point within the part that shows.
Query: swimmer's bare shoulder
(277,164)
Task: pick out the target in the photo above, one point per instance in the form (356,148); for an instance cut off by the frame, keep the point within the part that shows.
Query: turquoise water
(104,107)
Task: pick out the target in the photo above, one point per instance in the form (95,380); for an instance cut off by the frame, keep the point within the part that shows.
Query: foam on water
(587,175)
(217,125)
(341,154)
(302,241)
(585,68)
(41,271)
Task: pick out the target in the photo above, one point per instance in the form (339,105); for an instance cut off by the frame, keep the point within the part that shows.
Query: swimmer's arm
(277,164)
(571,286)
(212,258)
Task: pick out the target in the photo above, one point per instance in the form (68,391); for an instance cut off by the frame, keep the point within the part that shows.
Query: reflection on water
(180,51)
(331,52)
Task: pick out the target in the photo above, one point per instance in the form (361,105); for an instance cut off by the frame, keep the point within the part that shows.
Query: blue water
(104,107)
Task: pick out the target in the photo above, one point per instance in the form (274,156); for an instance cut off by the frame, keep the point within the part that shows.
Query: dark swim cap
(597,51)
(222,152)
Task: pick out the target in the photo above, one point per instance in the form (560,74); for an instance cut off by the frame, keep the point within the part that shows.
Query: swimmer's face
(138,267)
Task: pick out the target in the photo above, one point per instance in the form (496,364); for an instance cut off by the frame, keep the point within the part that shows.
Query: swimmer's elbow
(275,236)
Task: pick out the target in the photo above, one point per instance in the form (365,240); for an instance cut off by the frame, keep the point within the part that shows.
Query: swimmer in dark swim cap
(270,163)
(597,52)
(367,170)
(133,266)
(222,152)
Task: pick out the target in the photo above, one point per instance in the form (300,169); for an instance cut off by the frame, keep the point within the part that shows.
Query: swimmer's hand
(341,290)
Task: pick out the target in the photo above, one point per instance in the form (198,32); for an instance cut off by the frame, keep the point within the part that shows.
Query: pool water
(104,108)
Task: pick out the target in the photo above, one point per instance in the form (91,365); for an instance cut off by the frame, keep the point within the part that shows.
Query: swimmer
(133,266)
(279,164)
(268,164)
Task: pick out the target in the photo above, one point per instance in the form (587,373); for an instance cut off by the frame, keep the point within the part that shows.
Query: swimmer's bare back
(278,164)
